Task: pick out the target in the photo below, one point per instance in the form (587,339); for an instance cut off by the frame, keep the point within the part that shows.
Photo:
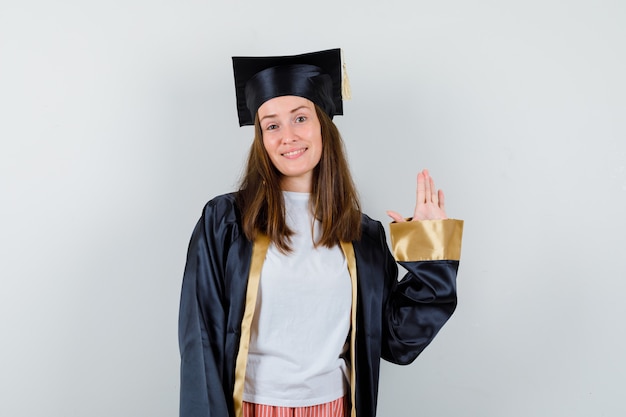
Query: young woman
(290,294)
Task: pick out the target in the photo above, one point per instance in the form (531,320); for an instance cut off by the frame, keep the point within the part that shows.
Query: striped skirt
(335,408)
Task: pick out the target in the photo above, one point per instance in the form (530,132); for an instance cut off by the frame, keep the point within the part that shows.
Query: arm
(202,321)
(418,306)
(428,247)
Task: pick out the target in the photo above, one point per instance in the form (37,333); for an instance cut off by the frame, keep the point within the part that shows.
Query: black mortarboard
(316,76)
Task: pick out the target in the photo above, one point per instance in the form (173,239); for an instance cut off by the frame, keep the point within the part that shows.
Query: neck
(298,185)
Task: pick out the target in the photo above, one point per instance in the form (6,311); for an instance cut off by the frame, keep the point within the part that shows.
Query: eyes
(297,119)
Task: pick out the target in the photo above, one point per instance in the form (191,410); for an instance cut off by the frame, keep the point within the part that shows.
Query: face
(292,138)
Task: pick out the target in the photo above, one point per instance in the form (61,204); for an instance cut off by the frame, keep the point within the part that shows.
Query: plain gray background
(118,122)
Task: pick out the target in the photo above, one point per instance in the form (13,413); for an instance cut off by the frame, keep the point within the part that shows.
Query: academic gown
(394,320)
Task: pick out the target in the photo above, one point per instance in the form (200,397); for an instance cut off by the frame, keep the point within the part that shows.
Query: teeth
(293,152)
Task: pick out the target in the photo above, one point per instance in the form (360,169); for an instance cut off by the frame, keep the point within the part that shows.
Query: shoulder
(224,201)
(222,209)
(371,230)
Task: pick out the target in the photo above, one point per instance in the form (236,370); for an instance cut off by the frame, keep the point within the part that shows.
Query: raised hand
(430,203)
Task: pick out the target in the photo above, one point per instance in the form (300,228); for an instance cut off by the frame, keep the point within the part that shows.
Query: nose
(289,134)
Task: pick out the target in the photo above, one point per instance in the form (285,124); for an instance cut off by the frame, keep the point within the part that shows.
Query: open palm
(430,202)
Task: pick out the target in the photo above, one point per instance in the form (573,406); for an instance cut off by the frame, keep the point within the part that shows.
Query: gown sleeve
(202,319)
(417,306)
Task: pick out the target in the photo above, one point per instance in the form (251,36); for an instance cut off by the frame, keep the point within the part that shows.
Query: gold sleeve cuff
(427,240)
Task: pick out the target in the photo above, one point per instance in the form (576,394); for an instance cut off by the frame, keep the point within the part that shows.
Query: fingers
(434,198)
(442,204)
(421,188)
(430,202)
(426,191)
(395,216)
(428,184)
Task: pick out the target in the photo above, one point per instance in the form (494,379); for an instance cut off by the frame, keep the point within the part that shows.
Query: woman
(290,295)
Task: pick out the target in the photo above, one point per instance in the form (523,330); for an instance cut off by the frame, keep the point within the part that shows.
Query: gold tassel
(346,92)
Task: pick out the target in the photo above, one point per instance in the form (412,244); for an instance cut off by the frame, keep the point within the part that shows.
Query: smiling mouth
(294,153)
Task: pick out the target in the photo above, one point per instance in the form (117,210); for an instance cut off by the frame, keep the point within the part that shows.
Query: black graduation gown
(394,320)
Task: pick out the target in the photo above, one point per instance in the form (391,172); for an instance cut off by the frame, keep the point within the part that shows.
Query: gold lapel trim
(348,251)
(259,250)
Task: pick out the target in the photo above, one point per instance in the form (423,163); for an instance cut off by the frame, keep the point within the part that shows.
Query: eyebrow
(292,111)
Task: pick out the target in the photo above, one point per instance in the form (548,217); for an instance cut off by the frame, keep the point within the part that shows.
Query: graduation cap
(317,76)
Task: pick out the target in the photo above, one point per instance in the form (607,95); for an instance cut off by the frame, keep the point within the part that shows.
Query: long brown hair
(334,200)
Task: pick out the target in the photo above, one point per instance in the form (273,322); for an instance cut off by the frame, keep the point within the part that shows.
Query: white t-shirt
(301,321)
